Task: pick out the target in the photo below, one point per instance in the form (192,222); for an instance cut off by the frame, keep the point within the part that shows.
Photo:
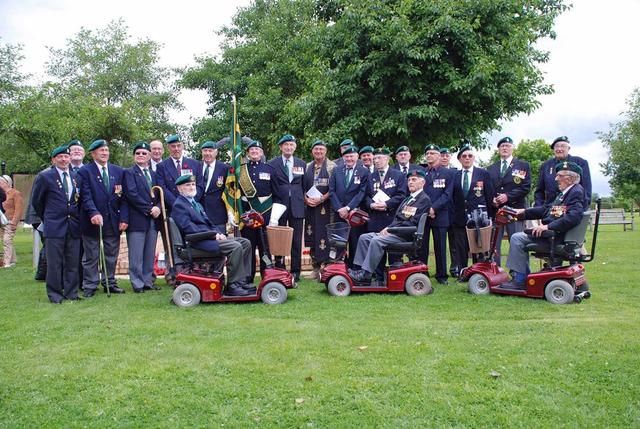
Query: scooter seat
(400,247)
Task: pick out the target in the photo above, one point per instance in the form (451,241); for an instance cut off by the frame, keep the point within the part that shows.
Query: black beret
(463,149)
(254,143)
(444,150)
(402,149)
(431,146)
(560,139)
(141,145)
(505,140)
(417,172)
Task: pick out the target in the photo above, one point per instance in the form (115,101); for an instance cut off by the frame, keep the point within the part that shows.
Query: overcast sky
(593,64)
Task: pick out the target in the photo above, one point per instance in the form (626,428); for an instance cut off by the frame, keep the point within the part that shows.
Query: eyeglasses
(466,155)
(140,153)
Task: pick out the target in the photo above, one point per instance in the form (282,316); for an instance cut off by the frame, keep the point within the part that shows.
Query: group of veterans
(83,208)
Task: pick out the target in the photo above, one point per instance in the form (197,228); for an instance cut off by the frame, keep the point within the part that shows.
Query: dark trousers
(461,247)
(62,268)
(253,235)
(439,249)
(296,244)
(452,251)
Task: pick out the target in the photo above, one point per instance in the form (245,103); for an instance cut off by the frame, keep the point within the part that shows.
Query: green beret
(60,149)
(208,145)
(505,140)
(382,151)
(97,144)
(568,166)
(75,142)
(318,143)
(174,138)
(402,149)
(347,142)
(185,178)
(464,149)
(431,146)
(254,143)
(444,150)
(141,145)
(560,139)
(416,172)
(350,149)
(286,138)
(366,149)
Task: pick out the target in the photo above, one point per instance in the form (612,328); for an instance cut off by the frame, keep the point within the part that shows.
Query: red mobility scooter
(410,277)
(202,278)
(559,283)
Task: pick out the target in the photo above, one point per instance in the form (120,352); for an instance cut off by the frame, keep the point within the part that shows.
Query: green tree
(623,143)
(393,72)
(11,78)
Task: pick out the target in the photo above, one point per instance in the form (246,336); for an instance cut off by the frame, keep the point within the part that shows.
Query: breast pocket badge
(409,211)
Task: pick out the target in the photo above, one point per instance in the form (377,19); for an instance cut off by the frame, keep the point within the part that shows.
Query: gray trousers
(512,228)
(239,258)
(518,257)
(142,253)
(91,245)
(371,248)
(62,273)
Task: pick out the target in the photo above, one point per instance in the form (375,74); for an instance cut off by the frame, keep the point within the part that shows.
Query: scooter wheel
(559,292)
(273,293)
(339,286)
(418,284)
(186,295)
(478,285)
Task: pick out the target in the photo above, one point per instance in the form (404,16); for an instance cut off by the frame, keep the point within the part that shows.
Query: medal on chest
(557,211)
(409,211)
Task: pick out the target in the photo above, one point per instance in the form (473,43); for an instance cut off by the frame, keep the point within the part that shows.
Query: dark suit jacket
(211,198)
(138,196)
(95,199)
(480,193)
(409,213)
(439,188)
(354,193)
(59,214)
(516,182)
(167,175)
(412,166)
(547,187)
(295,202)
(394,184)
(190,222)
(562,214)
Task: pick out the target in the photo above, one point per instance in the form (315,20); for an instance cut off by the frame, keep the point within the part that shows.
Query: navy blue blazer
(167,175)
(354,193)
(563,213)
(410,211)
(480,193)
(547,187)
(516,182)
(289,194)
(59,214)
(394,184)
(211,197)
(95,199)
(439,187)
(189,221)
(139,199)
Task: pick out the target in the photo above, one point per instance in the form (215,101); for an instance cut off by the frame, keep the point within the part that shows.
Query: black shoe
(88,293)
(443,281)
(152,287)
(138,290)
(361,276)
(235,289)
(296,277)
(352,272)
(113,289)
(248,286)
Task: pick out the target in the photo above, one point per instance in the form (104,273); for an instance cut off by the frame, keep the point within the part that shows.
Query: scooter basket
(280,239)
(485,238)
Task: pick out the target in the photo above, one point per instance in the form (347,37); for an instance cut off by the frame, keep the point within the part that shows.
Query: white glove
(273,223)
(231,219)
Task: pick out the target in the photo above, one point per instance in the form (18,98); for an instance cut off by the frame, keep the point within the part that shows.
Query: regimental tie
(503,170)
(347,177)
(404,169)
(288,166)
(206,177)
(147,176)
(406,201)
(65,184)
(178,165)
(196,207)
(465,183)
(105,179)
(381,173)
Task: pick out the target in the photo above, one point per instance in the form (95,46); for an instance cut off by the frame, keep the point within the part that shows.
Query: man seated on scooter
(371,246)
(191,218)
(564,213)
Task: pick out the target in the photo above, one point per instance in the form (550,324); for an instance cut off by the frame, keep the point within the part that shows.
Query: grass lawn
(371,360)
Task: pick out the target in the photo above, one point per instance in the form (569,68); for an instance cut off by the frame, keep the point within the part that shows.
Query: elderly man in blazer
(371,246)
(102,205)
(144,211)
(288,178)
(173,167)
(213,176)
(55,200)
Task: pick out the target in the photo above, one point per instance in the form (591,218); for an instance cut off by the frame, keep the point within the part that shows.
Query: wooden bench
(614,217)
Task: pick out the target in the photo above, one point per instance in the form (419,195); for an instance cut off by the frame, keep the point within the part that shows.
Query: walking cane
(165,222)
(103,269)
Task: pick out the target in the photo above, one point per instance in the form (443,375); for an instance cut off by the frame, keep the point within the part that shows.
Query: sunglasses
(466,155)
(140,153)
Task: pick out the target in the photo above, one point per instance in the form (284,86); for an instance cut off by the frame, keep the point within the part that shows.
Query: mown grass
(445,360)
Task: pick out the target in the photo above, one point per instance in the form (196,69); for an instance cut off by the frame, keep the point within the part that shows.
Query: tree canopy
(394,72)
(623,142)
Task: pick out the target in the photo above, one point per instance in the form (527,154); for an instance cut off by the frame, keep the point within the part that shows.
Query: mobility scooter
(202,278)
(556,282)
(410,277)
